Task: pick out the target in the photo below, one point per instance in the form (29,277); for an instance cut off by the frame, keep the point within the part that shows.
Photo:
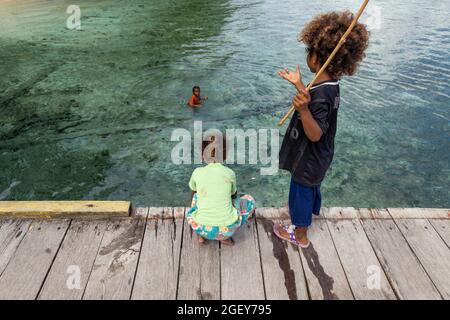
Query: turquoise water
(88,114)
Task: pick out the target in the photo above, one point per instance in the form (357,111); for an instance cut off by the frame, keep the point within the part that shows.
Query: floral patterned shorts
(246,208)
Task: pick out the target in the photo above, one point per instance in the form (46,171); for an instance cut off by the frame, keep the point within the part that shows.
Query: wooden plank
(25,273)
(406,275)
(178,212)
(442,227)
(359,260)
(323,270)
(156,213)
(70,271)
(324,274)
(430,249)
(141,212)
(367,213)
(241,274)
(199,277)
(115,265)
(341,213)
(364,213)
(272,213)
(283,213)
(57,209)
(281,264)
(419,213)
(157,272)
(11,234)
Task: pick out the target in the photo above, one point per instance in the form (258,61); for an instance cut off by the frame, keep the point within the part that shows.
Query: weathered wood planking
(273,213)
(199,277)
(25,273)
(281,264)
(414,254)
(340,213)
(58,209)
(359,260)
(364,213)
(419,213)
(406,274)
(160,213)
(241,274)
(443,228)
(70,271)
(323,270)
(283,213)
(115,265)
(141,212)
(157,272)
(431,250)
(11,234)
(324,273)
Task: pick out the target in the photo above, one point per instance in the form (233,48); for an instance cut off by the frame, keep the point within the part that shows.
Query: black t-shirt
(306,160)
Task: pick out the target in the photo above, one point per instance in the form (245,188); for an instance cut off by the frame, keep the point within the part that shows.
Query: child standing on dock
(216,211)
(308,146)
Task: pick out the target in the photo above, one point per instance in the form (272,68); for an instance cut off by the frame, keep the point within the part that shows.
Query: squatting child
(216,212)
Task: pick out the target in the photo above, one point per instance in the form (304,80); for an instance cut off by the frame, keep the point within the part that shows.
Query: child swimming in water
(308,146)
(216,211)
(196,100)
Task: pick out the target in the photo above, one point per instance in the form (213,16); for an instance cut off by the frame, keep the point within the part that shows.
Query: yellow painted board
(54,209)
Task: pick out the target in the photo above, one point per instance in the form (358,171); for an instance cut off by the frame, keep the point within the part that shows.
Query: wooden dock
(355,254)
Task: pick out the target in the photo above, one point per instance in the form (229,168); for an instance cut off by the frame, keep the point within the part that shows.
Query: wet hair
(322,34)
(210,139)
(195,87)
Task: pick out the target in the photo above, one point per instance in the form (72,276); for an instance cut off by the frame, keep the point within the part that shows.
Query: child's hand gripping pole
(325,65)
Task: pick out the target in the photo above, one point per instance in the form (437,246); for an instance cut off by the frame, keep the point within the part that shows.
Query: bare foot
(301,236)
(227,242)
(200,239)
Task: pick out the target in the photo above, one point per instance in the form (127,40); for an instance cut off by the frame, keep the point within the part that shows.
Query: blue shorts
(303,202)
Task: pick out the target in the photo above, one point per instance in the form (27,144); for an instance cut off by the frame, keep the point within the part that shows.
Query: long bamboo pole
(325,65)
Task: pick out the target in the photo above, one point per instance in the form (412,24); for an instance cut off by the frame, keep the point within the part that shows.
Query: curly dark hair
(323,33)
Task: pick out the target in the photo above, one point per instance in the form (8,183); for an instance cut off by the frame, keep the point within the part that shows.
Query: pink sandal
(291,231)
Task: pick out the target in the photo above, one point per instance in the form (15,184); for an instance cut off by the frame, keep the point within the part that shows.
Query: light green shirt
(215,184)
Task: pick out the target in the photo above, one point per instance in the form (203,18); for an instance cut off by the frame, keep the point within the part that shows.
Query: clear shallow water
(88,114)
